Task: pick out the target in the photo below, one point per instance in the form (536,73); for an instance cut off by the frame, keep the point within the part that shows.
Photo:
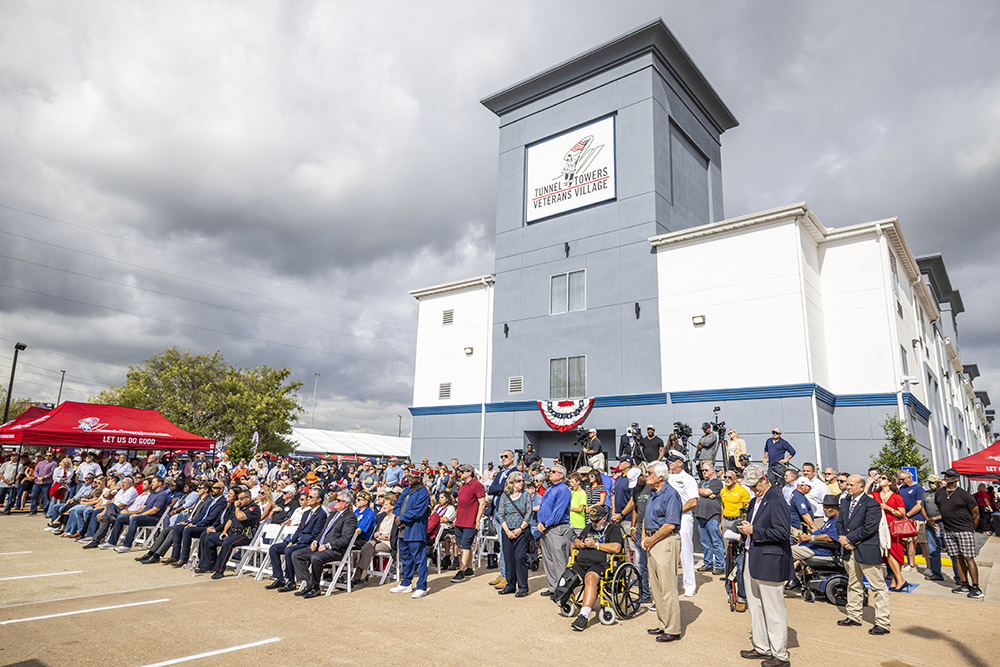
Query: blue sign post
(913,471)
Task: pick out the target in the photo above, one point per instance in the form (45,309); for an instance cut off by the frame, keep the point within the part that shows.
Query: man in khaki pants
(662,543)
(857,526)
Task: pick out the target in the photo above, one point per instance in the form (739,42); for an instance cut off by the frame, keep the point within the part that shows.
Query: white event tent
(319,441)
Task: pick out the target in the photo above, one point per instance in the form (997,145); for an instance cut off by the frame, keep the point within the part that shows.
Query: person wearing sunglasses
(777,450)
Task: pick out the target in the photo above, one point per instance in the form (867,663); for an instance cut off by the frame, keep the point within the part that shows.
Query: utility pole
(61,380)
(315,386)
(399,431)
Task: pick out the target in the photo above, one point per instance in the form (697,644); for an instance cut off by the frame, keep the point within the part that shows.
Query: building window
(906,366)
(568,377)
(567,291)
(515,385)
(444,391)
(448,316)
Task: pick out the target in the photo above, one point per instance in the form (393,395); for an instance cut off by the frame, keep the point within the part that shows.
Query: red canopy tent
(982,464)
(92,426)
(31,414)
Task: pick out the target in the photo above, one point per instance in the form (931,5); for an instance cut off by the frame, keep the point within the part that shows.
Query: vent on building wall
(448,316)
(515,384)
(444,391)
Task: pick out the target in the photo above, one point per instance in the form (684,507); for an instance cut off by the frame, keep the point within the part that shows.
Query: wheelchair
(618,592)
(825,576)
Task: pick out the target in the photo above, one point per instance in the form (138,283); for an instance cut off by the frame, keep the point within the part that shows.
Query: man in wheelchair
(592,547)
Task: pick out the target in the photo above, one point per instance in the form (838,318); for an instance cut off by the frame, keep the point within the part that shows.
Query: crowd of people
(644,506)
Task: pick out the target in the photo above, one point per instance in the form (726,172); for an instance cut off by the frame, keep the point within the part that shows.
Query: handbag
(904,528)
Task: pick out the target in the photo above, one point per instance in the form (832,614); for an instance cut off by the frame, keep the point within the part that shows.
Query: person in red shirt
(887,496)
(984,499)
(469,516)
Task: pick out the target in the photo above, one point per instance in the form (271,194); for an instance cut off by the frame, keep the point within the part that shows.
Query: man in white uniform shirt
(88,467)
(687,487)
(817,492)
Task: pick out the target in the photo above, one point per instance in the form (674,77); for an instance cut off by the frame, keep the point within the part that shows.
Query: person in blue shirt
(411,511)
(148,515)
(662,543)
(913,503)
(393,473)
(553,524)
(776,450)
(820,542)
(800,510)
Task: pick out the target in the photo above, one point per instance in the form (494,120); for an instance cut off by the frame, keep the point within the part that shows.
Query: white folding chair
(387,562)
(436,549)
(192,563)
(483,540)
(147,534)
(254,555)
(345,567)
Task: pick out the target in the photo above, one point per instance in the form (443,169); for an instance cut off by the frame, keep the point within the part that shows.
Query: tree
(901,449)
(18,404)
(207,396)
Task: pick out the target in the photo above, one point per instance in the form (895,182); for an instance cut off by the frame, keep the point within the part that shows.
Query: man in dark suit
(769,562)
(857,527)
(313,520)
(328,547)
(185,531)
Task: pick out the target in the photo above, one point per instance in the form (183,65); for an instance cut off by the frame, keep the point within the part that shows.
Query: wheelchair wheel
(626,591)
(569,608)
(607,616)
(533,565)
(836,591)
(809,595)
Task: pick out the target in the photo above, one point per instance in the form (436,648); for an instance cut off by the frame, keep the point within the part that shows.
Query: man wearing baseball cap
(960,516)
(593,545)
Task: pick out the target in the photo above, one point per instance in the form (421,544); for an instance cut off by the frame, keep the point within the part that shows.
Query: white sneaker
(49,529)
(689,594)
(401,589)
(907,568)
(123,549)
(106,545)
(419,593)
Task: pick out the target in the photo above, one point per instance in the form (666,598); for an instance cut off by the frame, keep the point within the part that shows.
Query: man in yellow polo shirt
(734,498)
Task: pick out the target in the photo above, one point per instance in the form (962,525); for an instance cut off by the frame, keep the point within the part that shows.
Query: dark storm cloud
(324,158)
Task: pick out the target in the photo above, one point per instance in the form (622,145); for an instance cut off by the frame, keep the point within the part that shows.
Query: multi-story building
(618,279)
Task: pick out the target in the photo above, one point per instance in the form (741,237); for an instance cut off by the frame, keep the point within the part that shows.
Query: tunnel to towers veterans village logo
(571,170)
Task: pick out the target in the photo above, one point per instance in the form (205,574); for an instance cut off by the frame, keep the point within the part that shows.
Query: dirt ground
(455,624)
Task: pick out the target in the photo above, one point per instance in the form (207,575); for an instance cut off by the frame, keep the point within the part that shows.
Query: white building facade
(636,292)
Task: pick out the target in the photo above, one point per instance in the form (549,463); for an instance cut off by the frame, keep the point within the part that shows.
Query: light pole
(399,430)
(315,386)
(61,380)
(10,386)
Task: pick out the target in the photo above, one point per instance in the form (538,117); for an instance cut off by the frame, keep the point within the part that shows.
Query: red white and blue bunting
(564,415)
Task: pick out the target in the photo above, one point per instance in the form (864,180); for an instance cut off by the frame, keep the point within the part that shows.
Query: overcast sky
(271,178)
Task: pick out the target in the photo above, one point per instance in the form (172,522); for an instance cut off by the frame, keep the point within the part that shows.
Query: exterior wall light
(468,351)
(698,320)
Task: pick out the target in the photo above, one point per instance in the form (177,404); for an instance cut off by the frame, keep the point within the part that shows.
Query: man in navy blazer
(329,546)
(313,520)
(185,531)
(857,527)
(769,561)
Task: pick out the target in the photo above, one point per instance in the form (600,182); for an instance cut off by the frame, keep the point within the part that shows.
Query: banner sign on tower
(571,170)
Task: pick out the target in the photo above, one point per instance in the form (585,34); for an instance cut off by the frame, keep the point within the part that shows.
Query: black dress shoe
(149,561)
(754,654)
(878,630)
(654,631)
(847,621)
(277,583)
(90,545)
(288,588)
(144,556)
(667,638)
(218,575)
(521,594)
(302,592)
(506,591)
(546,593)
(311,593)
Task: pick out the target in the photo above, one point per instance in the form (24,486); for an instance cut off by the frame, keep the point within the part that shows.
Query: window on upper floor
(567,292)
(906,366)
(568,377)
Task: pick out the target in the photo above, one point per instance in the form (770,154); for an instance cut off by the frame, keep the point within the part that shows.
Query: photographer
(651,446)
(594,450)
(531,457)
(708,445)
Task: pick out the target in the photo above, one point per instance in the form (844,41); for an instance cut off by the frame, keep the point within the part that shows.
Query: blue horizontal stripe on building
(696,396)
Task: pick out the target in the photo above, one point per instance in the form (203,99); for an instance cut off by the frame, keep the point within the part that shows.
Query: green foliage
(18,404)
(205,395)
(900,449)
